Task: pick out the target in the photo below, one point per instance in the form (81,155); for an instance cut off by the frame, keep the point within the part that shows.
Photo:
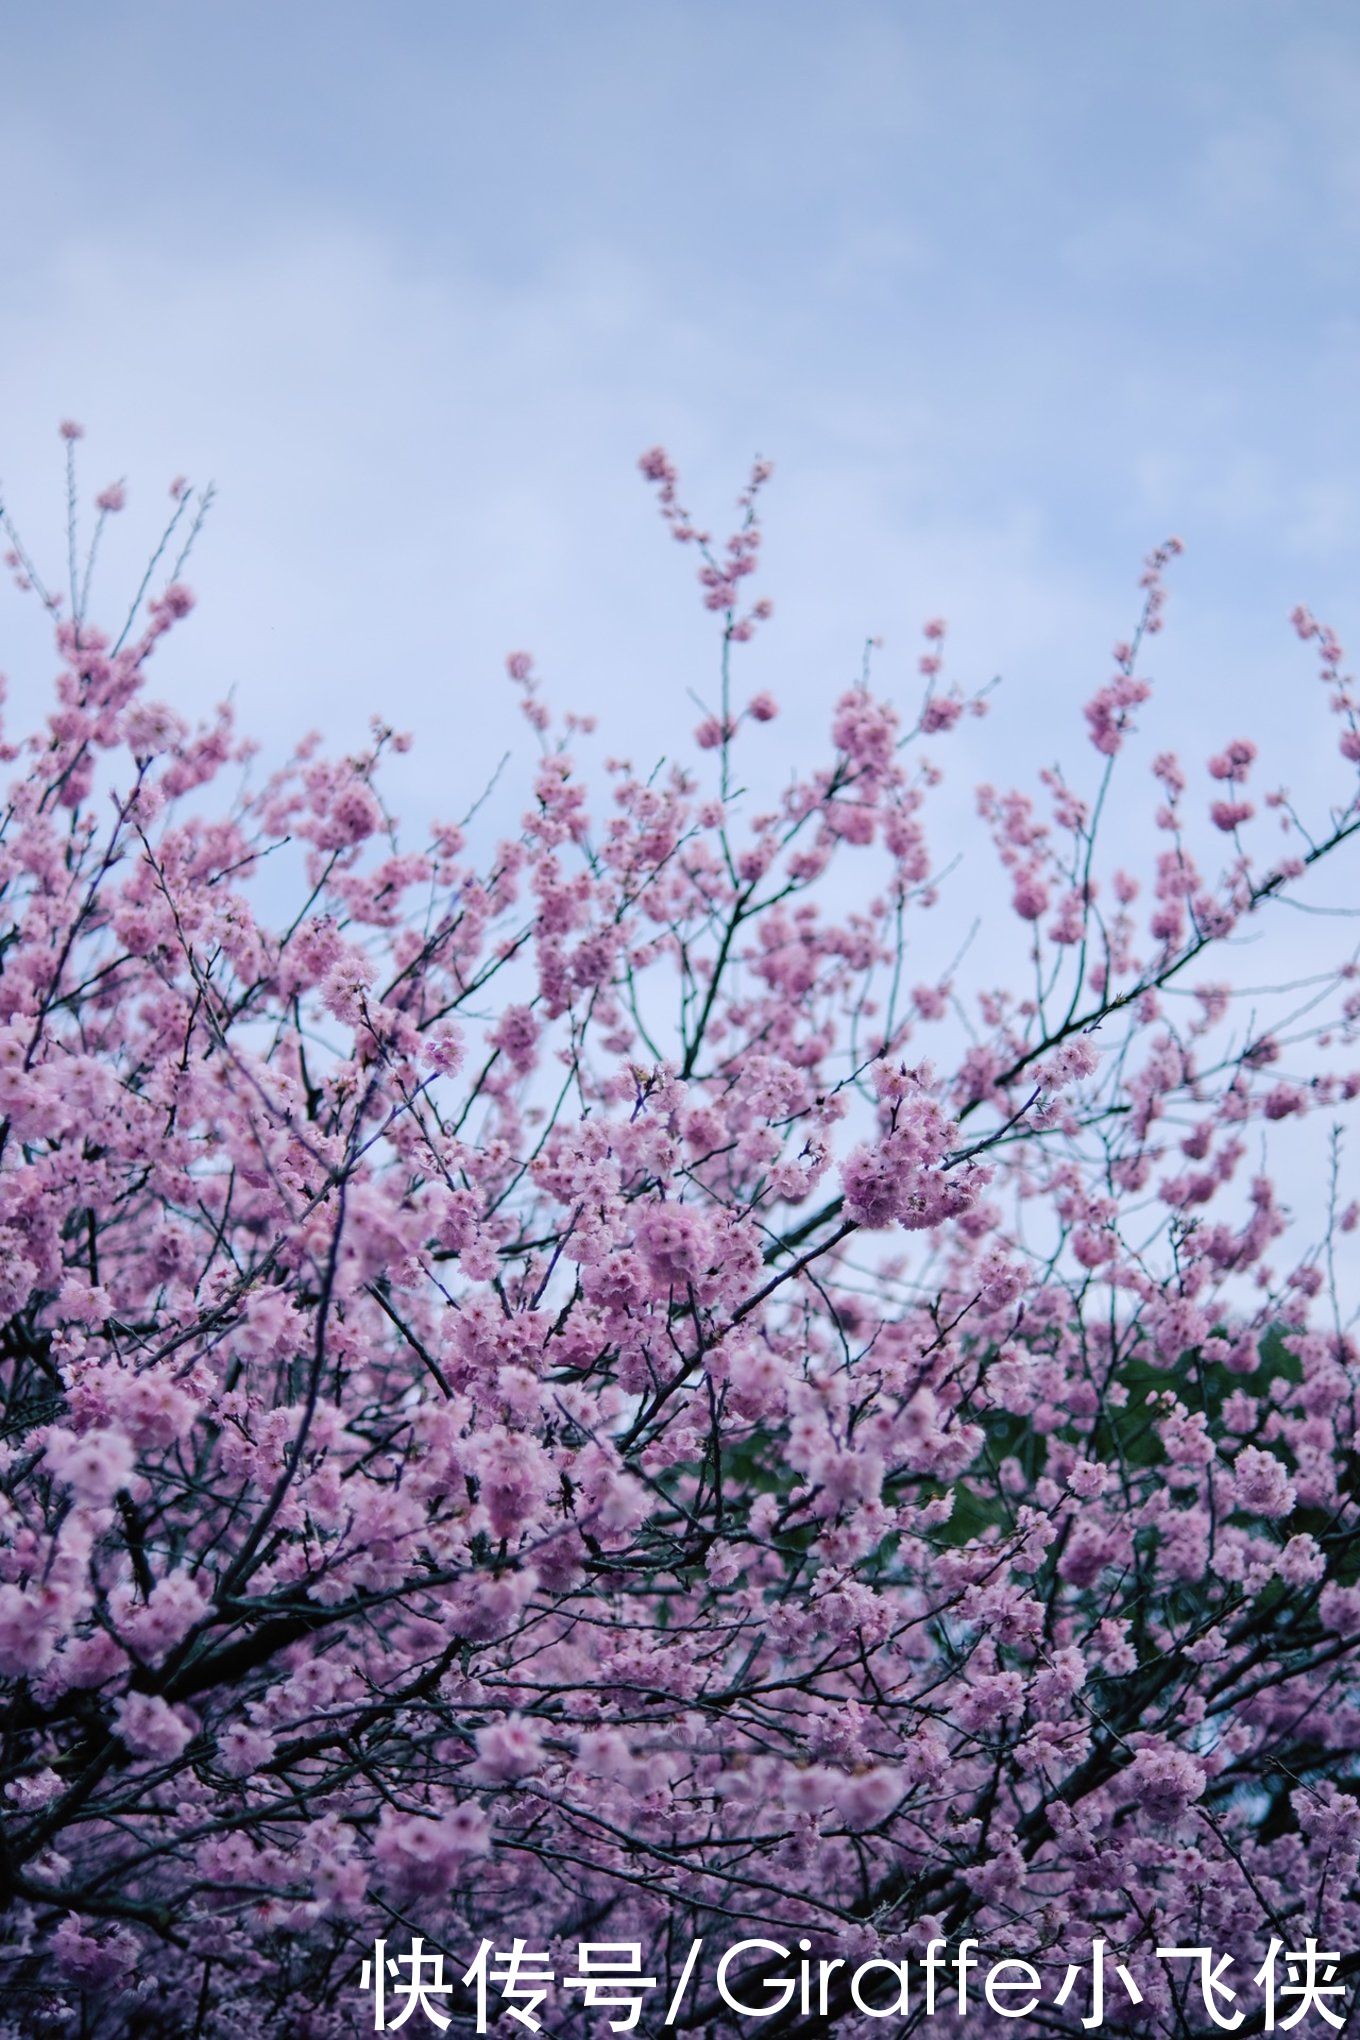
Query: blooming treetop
(557,1388)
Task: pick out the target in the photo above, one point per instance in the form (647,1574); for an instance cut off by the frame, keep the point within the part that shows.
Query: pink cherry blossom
(601,1367)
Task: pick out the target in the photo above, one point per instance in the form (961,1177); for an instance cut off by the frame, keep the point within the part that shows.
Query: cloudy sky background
(1008,293)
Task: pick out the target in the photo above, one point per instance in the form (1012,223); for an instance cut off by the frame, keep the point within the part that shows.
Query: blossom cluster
(569,1384)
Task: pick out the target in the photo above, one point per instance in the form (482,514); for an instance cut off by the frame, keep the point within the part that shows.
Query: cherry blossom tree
(564,1389)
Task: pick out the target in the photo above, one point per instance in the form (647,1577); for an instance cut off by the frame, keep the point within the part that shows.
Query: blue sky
(1007,292)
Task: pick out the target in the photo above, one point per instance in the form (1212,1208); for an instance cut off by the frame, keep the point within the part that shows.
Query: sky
(1007,294)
